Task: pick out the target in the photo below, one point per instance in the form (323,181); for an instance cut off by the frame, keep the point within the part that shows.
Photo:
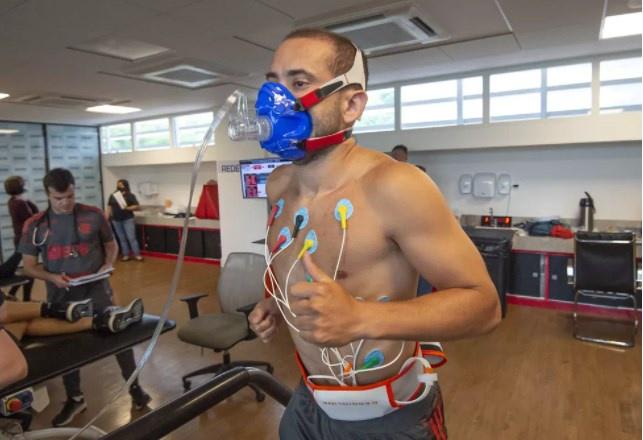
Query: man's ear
(353,105)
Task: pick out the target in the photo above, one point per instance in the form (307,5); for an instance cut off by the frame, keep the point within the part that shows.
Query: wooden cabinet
(559,289)
(194,245)
(212,243)
(202,244)
(527,275)
(154,239)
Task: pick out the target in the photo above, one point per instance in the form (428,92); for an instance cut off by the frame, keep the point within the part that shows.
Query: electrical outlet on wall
(504,184)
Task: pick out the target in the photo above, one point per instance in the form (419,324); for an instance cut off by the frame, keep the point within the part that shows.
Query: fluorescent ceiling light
(113,109)
(3,95)
(8,131)
(622,25)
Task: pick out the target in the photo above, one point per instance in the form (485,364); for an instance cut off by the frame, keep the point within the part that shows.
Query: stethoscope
(34,237)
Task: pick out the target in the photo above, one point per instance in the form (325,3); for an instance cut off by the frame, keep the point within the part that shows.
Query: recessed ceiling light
(113,109)
(622,25)
(8,131)
(3,95)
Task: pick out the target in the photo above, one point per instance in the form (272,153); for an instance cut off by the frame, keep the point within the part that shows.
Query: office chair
(240,287)
(605,267)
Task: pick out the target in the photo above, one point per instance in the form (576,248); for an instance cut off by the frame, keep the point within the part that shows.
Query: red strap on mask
(319,143)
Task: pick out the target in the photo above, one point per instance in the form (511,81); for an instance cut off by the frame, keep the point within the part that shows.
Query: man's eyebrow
(271,76)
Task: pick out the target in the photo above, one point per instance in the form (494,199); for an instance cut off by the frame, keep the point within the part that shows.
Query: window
(152,134)
(569,90)
(379,114)
(515,95)
(442,103)
(116,138)
(620,88)
(190,129)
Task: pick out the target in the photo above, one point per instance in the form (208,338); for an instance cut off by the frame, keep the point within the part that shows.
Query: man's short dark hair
(401,147)
(58,179)
(14,185)
(344,49)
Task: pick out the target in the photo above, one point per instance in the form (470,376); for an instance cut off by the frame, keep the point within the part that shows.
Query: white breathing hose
(218,118)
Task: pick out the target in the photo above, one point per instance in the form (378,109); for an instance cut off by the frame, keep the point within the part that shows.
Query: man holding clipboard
(76,243)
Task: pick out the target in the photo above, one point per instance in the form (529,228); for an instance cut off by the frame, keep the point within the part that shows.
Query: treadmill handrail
(181,410)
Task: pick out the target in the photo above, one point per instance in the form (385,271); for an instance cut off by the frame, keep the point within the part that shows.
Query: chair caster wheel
(260,397)
(187,385)
(270,369)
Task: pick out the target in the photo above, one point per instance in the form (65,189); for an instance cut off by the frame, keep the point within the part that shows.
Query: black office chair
(605,267)
(240,287)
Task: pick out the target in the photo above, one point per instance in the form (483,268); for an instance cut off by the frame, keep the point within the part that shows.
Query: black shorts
(304,419)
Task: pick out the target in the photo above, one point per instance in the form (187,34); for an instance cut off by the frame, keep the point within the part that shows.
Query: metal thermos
(587,211)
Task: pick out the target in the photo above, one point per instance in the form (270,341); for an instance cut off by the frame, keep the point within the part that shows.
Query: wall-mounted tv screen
(254,174)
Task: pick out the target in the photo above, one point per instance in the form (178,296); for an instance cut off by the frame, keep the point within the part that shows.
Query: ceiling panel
(7,5)
(503,44)
(571,34)
(188,40)
(530,15)
(299,10)
(63,22)
(231,17)
(162,5)
(416,64)
(465,18)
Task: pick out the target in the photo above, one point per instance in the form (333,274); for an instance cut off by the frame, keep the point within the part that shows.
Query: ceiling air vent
(384,29)
(184,75)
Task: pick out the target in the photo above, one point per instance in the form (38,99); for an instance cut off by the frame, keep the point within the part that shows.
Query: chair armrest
(571,278)
(191,301)
(247,309)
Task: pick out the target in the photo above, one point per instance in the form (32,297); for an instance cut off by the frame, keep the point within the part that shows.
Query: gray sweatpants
(303,419)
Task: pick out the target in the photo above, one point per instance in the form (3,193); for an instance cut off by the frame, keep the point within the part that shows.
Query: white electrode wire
(273,277)
(341,252)
(274,282)
(287,282)
(223,111)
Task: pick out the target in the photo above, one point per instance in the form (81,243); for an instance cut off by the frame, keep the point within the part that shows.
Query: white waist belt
(364,402)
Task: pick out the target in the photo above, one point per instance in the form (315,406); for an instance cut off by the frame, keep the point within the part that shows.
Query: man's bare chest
(341,252)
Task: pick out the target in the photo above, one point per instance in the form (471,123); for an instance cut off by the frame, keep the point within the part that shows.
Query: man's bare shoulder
(278,182)
(400,190)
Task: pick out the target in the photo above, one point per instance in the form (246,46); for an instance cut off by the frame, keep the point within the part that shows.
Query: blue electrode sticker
(280,207)
(374,358)
(304,213)
(349,209)
(312,236)
(286,233)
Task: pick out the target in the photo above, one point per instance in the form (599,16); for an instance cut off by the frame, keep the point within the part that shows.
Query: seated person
(50,319)
(13,366)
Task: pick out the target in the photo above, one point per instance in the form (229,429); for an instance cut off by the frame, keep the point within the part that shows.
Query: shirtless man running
(398,225)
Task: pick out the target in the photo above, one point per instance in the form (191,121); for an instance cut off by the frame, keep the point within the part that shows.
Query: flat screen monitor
(254,175)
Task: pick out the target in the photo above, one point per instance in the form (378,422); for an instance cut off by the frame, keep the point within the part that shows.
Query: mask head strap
(319,143)
(355,75)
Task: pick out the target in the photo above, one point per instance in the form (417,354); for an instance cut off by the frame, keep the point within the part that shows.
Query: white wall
(173,181)
(551,178)
(242,220)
